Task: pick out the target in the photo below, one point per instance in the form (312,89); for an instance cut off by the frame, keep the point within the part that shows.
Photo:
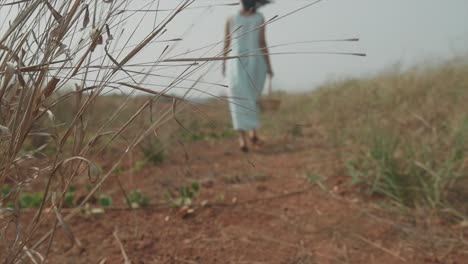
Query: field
(102,161)
(329,186)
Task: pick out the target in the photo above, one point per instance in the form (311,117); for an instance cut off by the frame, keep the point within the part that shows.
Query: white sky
(407,32)
(391,31)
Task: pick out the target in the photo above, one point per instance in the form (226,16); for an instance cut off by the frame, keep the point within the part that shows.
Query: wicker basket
(269,104)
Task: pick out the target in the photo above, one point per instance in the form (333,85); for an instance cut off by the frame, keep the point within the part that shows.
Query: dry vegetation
(403,135)
(400,135)
(57,60)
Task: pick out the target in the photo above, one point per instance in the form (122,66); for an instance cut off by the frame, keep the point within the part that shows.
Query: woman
(245,37)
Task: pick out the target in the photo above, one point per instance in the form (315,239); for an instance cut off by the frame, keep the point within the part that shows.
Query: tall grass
(57,60)
(403,135)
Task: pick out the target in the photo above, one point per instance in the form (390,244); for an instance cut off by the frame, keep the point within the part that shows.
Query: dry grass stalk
(31,80)
(388,251)
(122,248)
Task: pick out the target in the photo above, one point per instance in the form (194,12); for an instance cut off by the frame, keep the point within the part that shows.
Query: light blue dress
(246,74)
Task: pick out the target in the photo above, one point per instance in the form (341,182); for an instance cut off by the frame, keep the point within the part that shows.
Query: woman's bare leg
(253,133)
(243,140)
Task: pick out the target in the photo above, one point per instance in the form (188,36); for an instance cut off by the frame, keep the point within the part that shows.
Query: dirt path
(261,209)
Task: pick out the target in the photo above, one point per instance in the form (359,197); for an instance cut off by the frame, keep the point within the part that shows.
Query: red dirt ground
(261,209)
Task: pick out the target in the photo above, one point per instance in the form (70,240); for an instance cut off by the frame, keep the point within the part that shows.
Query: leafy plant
(38,197)
(26,200)
(69,198)
(136,199)
(185,195)
(5,190)
(192,136)
(72,188)
(31,200)
(105,200)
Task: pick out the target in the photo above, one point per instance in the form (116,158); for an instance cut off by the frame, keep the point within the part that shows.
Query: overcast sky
(407,32)
(391,31)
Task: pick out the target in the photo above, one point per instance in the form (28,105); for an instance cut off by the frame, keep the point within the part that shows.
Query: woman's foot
(256,141)
(244,148)
(243,142)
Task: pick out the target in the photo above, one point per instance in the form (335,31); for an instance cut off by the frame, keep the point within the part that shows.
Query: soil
(254,208)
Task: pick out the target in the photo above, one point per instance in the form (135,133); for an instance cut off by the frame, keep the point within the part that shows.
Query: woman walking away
(245,37)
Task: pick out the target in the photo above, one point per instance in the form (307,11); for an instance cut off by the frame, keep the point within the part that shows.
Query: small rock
(186,211)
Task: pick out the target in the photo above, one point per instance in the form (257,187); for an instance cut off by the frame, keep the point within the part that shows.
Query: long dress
(246,74)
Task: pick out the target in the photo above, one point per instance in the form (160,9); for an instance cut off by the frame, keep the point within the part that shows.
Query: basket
(269,104)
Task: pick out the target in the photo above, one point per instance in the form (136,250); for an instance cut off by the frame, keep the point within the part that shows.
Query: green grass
(200,134)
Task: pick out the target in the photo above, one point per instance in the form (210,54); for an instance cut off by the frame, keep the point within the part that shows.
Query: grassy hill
(399,134)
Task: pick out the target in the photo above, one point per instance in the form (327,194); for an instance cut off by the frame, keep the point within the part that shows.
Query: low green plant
(139,166)
(194,136)
(191,136)
(213,135)
(185,195)
(408,174)
(31,200)
(26,200)
(228,133)
(316,179)
(72,188)
(5,190)
(105,200)
(69,198)
(220,198)
(136,199)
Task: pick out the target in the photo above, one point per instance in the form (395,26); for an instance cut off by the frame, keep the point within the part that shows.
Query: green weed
(316,179)
(137,199)
(185,195)
(139,166)
(105,200)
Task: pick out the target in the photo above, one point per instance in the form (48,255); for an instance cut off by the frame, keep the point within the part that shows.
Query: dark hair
(254,4)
